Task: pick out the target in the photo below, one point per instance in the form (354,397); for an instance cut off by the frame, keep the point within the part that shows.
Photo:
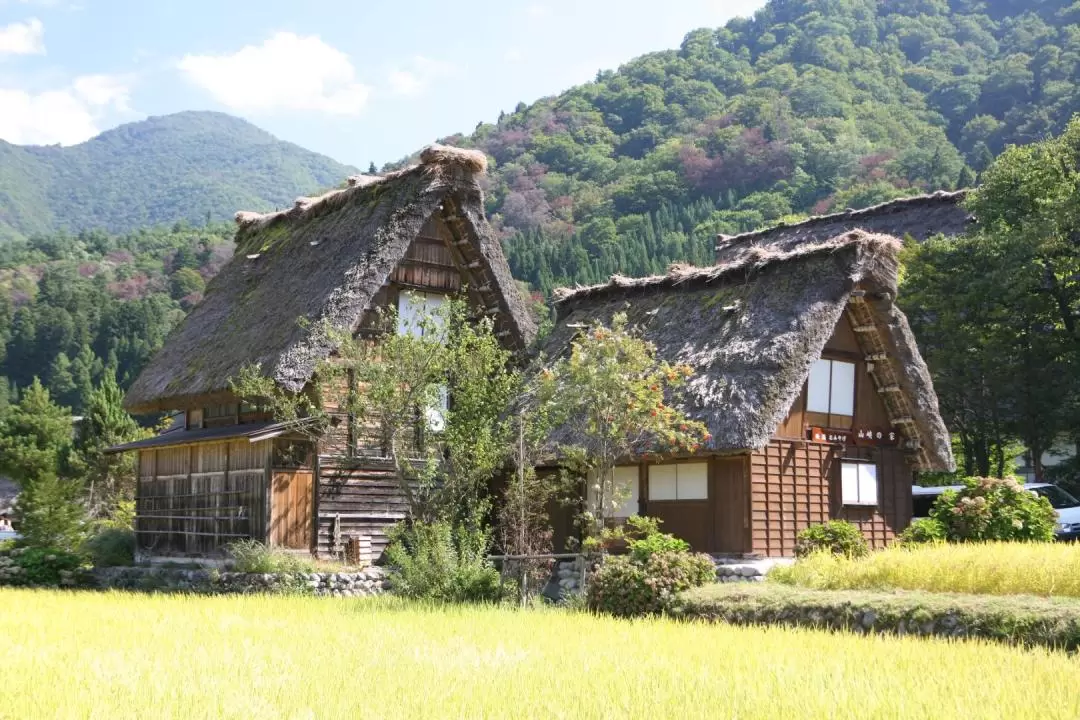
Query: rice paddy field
(113,655)
(1048,569)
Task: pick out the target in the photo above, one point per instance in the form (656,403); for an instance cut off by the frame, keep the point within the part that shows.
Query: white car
(1066,506)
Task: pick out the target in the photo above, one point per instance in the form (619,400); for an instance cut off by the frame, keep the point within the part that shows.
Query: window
(436,413)
(418,312)
(687,481)
(858,483)
(626,486)
(831,388)
(290,454)
(219,411)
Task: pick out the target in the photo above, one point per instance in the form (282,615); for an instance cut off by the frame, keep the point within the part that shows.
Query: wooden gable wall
(869,409)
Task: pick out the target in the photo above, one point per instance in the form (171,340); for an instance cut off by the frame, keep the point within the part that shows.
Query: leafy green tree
(996,311)
(35,437)
(616,395)
(434,395)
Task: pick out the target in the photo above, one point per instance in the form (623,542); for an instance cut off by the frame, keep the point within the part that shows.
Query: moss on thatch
(918,217)
(751,330)
(319,264)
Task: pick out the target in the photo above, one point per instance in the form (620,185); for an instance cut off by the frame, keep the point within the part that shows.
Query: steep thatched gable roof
(921,217)
(751,329)
(321,262)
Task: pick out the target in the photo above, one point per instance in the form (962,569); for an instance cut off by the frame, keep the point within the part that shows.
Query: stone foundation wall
(371,581)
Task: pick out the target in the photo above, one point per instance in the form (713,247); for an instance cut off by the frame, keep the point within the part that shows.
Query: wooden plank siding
(195,499)
(880,525)
(362,497)
(790,489)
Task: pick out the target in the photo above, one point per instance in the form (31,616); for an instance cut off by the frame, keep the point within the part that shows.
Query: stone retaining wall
(1022,620)
(371,581)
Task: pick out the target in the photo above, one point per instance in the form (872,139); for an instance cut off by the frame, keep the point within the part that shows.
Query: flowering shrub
(836,536)
(626,585)
(994,509)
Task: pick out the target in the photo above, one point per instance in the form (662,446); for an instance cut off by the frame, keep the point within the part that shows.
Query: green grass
(120,656)
(1047,569)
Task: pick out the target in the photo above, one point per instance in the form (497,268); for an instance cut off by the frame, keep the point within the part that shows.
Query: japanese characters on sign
(855,436)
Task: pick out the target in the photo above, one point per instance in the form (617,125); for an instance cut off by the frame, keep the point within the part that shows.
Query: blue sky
(359,81)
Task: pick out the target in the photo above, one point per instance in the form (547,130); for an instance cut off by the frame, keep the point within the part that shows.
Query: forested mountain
(187,166)
(811,105)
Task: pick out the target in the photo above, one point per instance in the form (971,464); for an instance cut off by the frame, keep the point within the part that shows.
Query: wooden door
(291,509)
(730,505)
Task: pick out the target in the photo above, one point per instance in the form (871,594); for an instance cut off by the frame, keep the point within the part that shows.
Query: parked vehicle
(8,535)
(1066,506)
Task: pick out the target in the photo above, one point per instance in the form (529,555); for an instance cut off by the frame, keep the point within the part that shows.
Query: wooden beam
(876,357)
(903,421)
(889,389)
(865,328)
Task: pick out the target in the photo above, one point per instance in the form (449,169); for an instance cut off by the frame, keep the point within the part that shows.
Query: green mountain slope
(812,105)
(160,170)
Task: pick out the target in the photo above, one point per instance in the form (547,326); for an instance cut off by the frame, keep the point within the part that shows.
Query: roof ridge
(939,196)
(754,259)
(472,162)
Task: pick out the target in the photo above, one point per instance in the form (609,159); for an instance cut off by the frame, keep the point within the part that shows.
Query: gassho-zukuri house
(406,240)
(806,375)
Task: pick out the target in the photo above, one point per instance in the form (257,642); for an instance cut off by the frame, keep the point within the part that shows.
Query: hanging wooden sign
(854,436)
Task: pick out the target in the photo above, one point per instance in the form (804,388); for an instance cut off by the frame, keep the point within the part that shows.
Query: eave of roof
(254,432)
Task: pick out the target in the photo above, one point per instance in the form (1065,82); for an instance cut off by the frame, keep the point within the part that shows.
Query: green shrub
(655,543)
(36,566)
(112,547)
(627,586)
(252,556)
(838,537)
(922,531)
(436,561)
(994,509)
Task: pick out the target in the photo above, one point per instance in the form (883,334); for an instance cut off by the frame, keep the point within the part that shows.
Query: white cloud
(66,116)
(286,72)
(513,55)
(420,73)
(538,10)
(104,90)
(26,38)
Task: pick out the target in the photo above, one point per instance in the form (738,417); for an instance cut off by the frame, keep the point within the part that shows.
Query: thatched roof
(320,263)
(751,329)
(920,217)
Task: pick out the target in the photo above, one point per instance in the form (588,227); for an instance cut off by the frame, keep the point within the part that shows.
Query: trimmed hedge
(1014,619)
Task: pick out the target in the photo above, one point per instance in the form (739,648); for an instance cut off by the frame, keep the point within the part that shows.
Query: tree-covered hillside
(187,166)
(811,105)
(74,309)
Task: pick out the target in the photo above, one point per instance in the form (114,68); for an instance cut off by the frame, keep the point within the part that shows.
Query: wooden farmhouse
(227,470)
(806,375)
